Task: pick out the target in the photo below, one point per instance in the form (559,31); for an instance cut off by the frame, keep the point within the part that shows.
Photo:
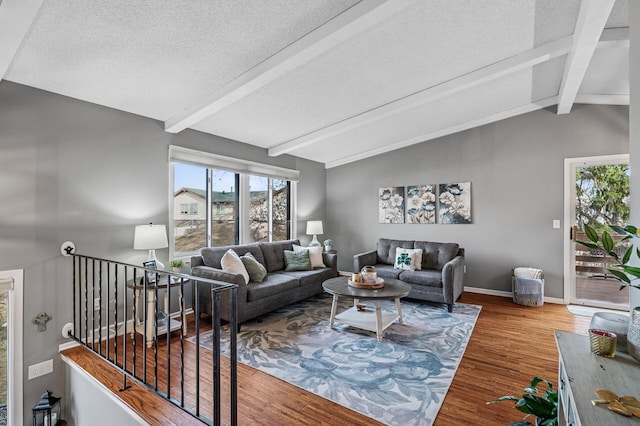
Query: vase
(633,335)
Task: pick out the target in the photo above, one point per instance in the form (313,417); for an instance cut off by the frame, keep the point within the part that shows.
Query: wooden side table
(150,324)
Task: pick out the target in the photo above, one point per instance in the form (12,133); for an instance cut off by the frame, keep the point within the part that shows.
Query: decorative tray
(379,283)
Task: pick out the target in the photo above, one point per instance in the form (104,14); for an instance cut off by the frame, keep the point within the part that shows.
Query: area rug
(400,381)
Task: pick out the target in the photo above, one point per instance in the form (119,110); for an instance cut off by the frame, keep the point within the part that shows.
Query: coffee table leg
(334,307)
(379,320)
(399,311)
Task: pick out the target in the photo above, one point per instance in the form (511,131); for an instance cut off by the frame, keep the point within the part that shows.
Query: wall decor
(421,204)
(455,203)
(391,204)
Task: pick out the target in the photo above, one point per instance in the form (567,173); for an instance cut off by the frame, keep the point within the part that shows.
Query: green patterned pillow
(297,261)
(257,271)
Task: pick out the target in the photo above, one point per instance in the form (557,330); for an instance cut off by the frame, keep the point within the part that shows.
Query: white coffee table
(370,319)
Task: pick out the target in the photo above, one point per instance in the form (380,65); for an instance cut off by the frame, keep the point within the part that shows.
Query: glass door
(600,198)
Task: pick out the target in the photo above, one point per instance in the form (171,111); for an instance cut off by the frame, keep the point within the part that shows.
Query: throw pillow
(257,271)
(231,263)
(297,261)
(315,255)
(417,256)
(408,259)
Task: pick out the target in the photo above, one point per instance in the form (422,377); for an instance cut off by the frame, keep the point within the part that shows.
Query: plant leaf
(588,244)
(591,233)
(607,241)
(631,270)
(627,255)
(621,276)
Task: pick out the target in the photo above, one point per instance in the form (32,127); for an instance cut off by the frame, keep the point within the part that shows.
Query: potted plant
(533,402)
(328,245)
(177,264)
(621,270)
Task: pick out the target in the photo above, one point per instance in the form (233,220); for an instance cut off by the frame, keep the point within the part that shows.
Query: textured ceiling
(332,81)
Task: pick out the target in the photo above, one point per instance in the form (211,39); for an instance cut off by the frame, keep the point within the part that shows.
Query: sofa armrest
(204,288)
(364,259)
(331,261)
(196,261)
(453,279)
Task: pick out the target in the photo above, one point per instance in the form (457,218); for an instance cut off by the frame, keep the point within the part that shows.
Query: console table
(581,373)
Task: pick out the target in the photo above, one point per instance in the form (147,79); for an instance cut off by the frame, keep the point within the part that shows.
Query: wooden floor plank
(510,344)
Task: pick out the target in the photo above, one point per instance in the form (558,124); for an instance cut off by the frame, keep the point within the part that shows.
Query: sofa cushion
(387,271)
(426,277)
(274,283)
(297,260)
(273,253)
(386,249)
(314,276)
(256,270)
(231,262)
(436,255)
(315,255)
(211,256)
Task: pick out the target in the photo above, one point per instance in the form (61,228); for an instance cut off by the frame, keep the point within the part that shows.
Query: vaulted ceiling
(332,81)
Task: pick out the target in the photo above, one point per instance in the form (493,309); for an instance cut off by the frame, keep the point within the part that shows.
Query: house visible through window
(208,206)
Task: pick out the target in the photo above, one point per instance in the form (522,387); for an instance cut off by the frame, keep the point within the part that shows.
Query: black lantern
(47,411)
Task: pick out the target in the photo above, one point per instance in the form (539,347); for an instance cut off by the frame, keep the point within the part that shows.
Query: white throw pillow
(408,259)
(231,262)
(315,255)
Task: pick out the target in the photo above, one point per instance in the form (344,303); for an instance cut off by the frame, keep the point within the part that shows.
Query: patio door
(596,194)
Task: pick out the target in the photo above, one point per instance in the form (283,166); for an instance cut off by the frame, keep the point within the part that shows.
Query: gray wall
(71,170)
(515,167)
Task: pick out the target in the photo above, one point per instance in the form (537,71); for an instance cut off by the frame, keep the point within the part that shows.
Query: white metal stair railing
(114,302)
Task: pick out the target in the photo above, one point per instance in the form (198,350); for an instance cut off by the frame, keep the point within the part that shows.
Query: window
(270,212)
(224,201)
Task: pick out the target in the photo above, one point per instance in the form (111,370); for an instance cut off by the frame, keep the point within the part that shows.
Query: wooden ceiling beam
(16,17)
(351,22)
(590,24)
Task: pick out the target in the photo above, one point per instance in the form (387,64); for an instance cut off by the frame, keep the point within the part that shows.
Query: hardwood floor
(509,345)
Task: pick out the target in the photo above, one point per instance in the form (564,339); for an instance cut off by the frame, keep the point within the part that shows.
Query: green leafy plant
(621,270)
(533,402)
(177,263)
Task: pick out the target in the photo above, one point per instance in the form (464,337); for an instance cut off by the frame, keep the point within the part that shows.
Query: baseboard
(508,294)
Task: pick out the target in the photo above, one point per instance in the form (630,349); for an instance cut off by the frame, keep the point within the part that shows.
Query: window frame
(243,169)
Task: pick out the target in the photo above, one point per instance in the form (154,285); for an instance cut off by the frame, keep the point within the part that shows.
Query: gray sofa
(440,279)
(278,289)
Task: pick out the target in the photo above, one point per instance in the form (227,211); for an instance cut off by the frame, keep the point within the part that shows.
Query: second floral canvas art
(451,204)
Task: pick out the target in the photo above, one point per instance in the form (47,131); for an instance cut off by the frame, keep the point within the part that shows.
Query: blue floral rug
(400,381)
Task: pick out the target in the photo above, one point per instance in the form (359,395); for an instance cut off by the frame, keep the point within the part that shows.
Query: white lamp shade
(314,227)
(150,237)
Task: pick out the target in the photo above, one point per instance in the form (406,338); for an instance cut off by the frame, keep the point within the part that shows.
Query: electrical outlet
(40,369)
(96,304)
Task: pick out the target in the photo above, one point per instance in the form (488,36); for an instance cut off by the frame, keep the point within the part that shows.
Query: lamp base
(152,256)
(314,242)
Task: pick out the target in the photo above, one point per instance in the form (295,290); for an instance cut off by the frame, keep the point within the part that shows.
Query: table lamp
(314,227)
(150,237)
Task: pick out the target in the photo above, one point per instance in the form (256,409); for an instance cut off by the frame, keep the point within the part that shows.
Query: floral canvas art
(391,204)
(455,203)
(421,204)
